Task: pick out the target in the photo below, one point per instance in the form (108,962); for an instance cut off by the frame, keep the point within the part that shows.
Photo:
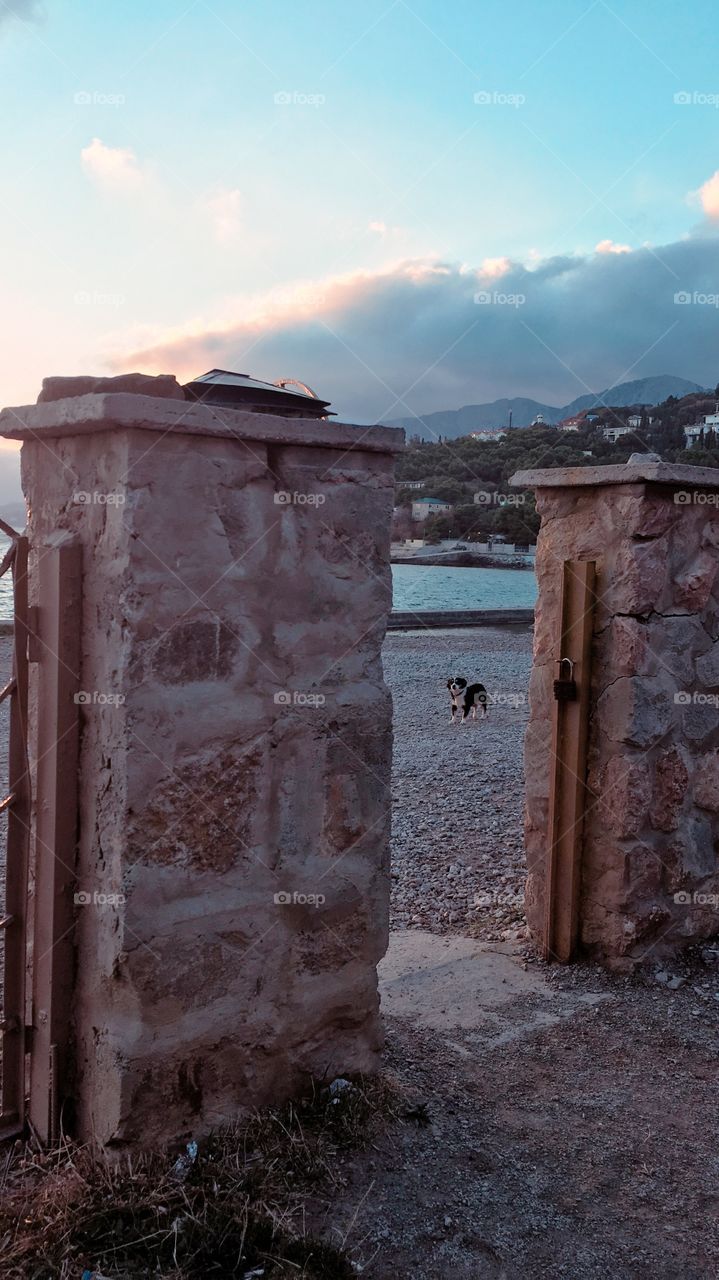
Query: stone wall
(235,760)
(650,871)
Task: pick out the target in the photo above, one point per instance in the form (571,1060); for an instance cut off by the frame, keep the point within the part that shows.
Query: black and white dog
(465,698)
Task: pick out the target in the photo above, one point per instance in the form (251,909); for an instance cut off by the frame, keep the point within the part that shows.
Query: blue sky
(163,209)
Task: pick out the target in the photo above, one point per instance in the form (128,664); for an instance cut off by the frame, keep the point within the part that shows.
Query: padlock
(565,686)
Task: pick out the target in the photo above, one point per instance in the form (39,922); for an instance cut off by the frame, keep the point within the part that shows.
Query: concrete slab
(450,982)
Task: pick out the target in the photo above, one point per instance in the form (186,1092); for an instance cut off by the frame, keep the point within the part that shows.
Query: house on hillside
(636,420)
(612,434)
(410,484)
(571,424)
(693,434)
(488,434)
(424,507)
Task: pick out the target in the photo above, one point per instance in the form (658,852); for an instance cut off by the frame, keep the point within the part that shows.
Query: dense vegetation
(455,470)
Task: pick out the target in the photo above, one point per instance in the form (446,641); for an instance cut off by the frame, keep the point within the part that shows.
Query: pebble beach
(457,843)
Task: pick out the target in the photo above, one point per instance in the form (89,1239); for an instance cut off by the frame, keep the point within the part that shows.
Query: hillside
(453,423)
(455,470)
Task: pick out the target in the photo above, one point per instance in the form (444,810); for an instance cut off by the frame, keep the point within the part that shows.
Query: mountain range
(451,423)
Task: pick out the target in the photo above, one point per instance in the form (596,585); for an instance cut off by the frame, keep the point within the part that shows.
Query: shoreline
(466,560)
(439,619)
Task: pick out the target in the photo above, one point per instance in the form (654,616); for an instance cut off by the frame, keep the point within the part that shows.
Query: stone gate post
(649,864)
(233,864)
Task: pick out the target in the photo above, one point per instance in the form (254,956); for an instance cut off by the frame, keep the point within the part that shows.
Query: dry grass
(238,1210)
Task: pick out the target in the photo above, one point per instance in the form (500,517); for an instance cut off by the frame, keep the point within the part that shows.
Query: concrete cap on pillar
(641,469)
(105,411)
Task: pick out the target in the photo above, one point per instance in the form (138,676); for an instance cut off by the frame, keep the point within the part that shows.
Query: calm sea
(429,586)
(415,586)
(5,584)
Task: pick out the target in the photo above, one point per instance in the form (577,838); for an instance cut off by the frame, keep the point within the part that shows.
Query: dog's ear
(449,683)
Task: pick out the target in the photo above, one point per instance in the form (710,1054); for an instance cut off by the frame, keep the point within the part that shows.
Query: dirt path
(572,1123)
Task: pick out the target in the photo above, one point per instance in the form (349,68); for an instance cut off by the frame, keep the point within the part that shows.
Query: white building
(635,420)
(698,430)
(424,507)
(692,434)
(612,434)
(410,484)
(488,434)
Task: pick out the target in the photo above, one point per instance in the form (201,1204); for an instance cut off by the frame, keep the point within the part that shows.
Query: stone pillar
(650,871)
(233,862)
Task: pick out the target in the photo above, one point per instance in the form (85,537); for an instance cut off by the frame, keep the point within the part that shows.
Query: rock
(163,385)
(708,666)
(669,789)
(706,782)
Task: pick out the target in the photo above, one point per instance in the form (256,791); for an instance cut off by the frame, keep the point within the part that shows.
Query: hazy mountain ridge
(474,417)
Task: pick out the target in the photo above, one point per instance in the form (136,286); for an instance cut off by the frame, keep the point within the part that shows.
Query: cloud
(609,246)
(493,268)
(381,229)
(414,338)
(112,168)
(27,10)
(709,196)
(224,209)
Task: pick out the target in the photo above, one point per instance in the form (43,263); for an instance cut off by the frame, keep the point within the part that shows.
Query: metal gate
(38,924)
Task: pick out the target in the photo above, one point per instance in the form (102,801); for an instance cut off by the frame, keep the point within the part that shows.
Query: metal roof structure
(240,391)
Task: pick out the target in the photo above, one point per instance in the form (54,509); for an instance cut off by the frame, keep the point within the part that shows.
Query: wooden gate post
(58,655)
(570,726)
(17,803)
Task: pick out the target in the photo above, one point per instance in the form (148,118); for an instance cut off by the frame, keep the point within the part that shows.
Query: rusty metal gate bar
(567,792)
(17,803)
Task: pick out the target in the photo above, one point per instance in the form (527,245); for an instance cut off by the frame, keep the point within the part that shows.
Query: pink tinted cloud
(113,168)
(709,196)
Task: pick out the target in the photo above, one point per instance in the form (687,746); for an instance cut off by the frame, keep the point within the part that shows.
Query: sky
(408,204)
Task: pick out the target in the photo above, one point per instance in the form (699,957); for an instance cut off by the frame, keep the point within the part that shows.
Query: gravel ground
(572,1136)
(457,843)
